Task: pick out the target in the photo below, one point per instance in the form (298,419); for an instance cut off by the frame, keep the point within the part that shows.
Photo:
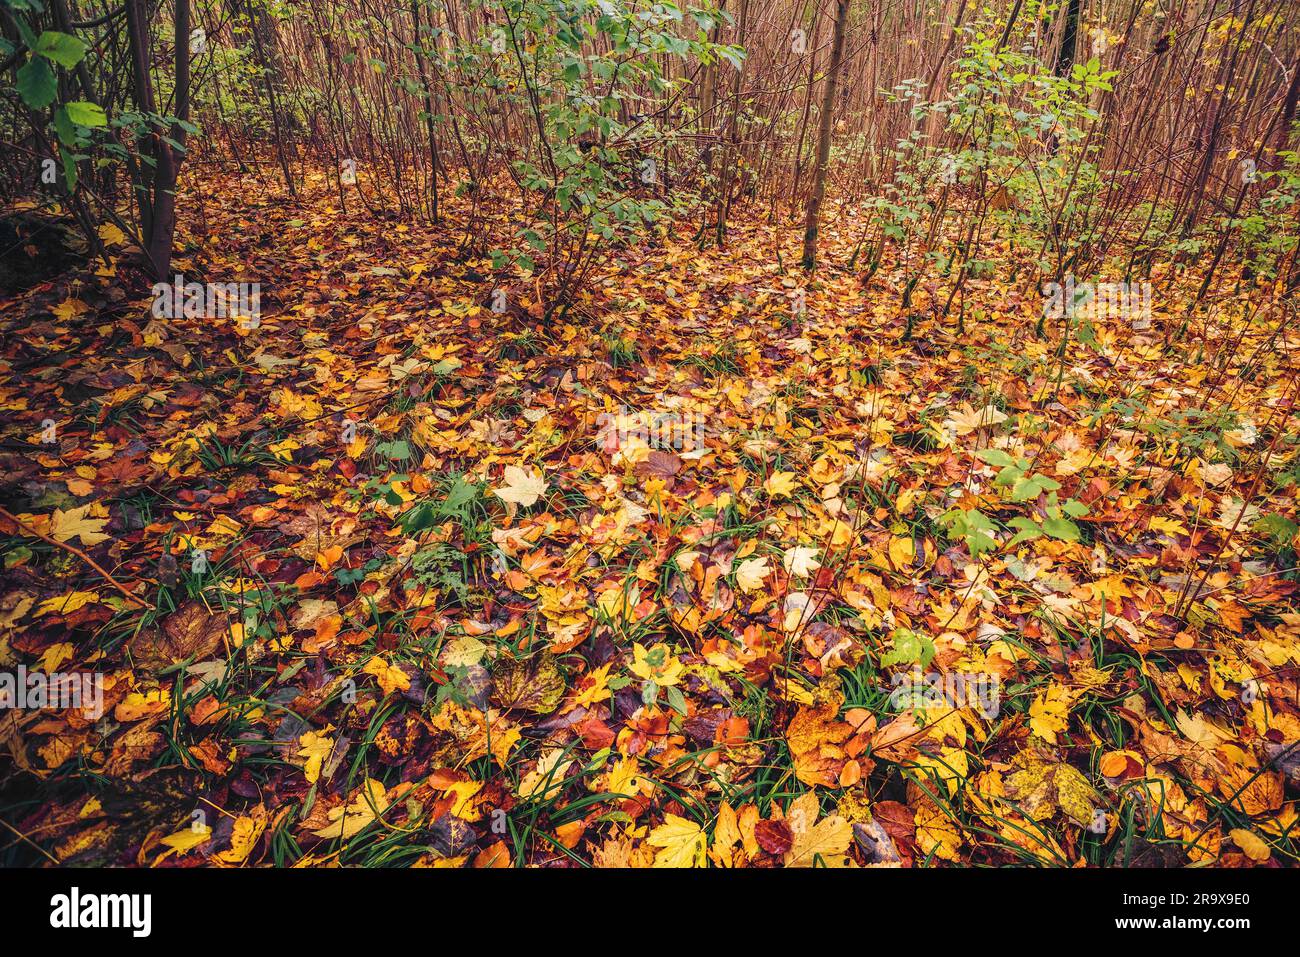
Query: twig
(75,551)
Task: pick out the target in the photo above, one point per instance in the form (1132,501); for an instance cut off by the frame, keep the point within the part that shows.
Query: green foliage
(576,69)
(1271,232)
(908,647)
(37,86)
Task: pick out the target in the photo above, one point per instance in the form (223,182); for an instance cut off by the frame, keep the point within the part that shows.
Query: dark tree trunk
(824,138)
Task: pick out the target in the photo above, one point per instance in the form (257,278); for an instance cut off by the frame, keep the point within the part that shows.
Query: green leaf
(63,48)
(1074,508)
(1025,489)
(36,84)
(86,114)
(1278,527)
(908,647)
(1009,475)
(419,518)
(460,494)
(69,170)
(1061,528)
(980,544)
(1028,531)
(398,450)
(995,457)
(64,127)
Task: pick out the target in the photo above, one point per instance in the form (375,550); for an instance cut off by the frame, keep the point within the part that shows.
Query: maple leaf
(521,488)
(682,843)
(965,419)
(137,705)
(751,573)
(936,834)
(1049,713)
(55,655)
(801,561)
(617,604)
(391,678)
(781,484)
(79,523)
(623,778)
(1042,787)
(656,664)
(821,844)
(185,840)
(316,747)
(244,836)
(347,821)
(520,685)
(66,604)
(816,739)
(547,779)
(110,234)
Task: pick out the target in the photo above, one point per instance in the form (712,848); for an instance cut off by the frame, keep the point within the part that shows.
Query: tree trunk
(157,195)
(824,138)
(428,112)
(1069,39)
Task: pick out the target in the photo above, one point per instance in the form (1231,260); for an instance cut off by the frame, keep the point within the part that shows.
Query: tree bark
(157,197)
(824,138)
(1069,39)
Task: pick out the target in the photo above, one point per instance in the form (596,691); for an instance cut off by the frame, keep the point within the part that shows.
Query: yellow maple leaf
(243,838)
(283,451)
(184,840)
(801,561)
(617,603)
(391,678)
(823,843)
(137,705)
(657,664)
(751,573)
(592,688)
(936,834)
(965,419)
(66,604)
(110,234)
(681,843)
(1168,526)
(360,814)
(79,523)
(521,488)
(546,780)
(781,484)
(69,309)
(623,778)
(56,655)
(1049,714)
(316,747)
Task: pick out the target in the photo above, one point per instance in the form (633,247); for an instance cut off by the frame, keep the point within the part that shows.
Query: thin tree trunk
(824,138)
(1069,39)
(428,113)
(158,196)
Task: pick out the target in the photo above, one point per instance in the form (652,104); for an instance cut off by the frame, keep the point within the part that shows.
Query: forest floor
(407,580)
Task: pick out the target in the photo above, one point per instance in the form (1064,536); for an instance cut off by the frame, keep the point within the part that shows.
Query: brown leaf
(773,837)
(659,464)
(192,633)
